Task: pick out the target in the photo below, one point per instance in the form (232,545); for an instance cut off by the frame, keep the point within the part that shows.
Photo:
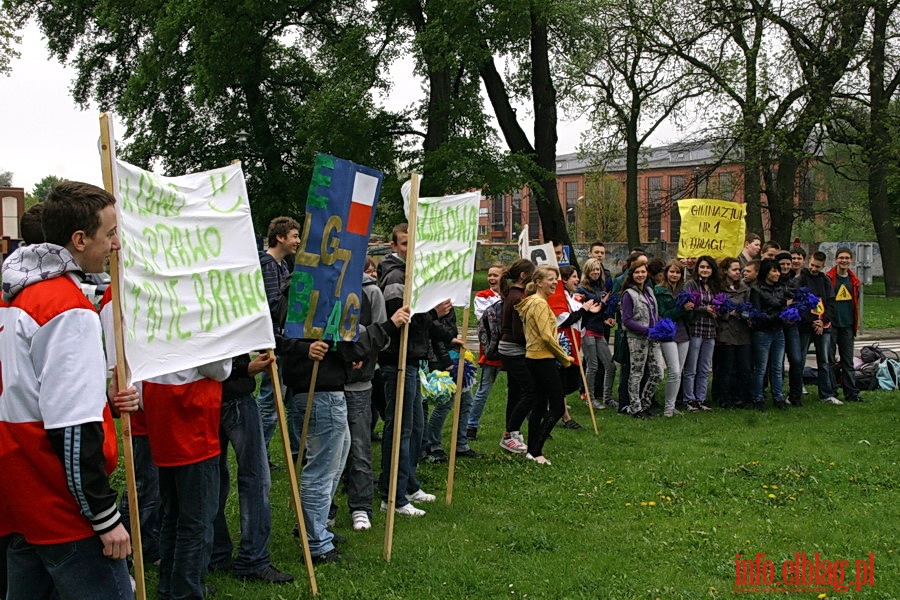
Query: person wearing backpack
(520,388)
(845,322)
(489,337)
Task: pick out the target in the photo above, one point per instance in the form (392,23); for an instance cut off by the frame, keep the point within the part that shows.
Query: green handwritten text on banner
(191,284)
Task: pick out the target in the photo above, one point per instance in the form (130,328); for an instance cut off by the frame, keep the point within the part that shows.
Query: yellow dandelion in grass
(652,503)
(765,487)
(669,498)
(628,504)
(774,487)
(820,596)
(609,481)
(643,504)
(772,496)
(713,590)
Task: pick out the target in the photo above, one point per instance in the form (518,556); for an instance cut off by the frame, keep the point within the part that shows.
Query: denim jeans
(435,425)
(190,496)
(768,352)
(147,479)
(842,340)
(241,425)
(266,403)
(732,374)
(327,446)
(600,369)
(488,377)
(824,375)
(796,361)
(358,472)
(67,571)
(411,431)
(674,354)
(697,367)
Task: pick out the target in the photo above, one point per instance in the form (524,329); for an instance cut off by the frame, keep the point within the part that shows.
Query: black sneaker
(572,424)
(437,456)
(269,574)
(468,453)
(330,557)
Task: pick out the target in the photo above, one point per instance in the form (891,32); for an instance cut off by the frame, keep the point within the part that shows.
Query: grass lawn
(649,509)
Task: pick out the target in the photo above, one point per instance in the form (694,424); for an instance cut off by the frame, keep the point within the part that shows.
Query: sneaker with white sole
(541,460)
(407,510)
(831,400)
(421,496)
(513,445)
(360,520)
(518,437)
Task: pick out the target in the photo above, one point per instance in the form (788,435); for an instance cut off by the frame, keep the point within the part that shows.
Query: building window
(726,186)
(482,230)
(677,191)
(654,207)
(571,202)
(515,216)
(498,213)
(534,220)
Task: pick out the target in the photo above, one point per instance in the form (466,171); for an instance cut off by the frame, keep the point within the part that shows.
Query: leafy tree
(41,189)
(603,215)
(6,178)
(8,40)
(631,85)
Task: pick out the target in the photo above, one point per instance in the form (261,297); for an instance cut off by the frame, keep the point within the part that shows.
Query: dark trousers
(842,340)
(732,368)
(520,391)
(548,392)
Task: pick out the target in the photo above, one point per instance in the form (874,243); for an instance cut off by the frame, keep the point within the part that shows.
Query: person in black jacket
(241,425)
(328,436)
(768,297)
(816,324)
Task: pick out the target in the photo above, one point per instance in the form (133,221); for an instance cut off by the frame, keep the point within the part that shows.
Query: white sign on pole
(192,290)
(446,235)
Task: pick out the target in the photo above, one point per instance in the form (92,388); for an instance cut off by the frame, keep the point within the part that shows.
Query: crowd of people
(681,322)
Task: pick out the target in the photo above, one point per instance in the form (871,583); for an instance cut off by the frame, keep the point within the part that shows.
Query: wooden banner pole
(401,372)
(107,143)
(292,472)
(588,393)
(460,373)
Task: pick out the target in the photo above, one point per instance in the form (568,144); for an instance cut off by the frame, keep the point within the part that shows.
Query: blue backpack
(889,374)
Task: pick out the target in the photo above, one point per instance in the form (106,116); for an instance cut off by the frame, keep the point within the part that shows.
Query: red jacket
(855,286)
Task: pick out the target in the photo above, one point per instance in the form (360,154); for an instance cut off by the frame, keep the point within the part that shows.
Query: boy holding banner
(57,439)
(393,281)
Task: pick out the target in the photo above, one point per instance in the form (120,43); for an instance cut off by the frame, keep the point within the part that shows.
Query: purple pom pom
(790,315)
(663,331)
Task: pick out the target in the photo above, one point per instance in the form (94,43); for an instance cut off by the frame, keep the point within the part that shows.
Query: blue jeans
(358,473)
(266,402)
(696,368)
(435,425)
(842,339)
(768,352)
(190,496)
(241,425)
(796,356)
(822,343)
(67,571)
(411,431)
(327,446)
(488,377)
(147,479)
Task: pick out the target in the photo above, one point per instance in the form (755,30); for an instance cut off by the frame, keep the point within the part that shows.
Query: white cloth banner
(444,253)
(191,286)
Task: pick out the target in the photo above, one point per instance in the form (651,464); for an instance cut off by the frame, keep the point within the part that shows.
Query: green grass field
(647,509)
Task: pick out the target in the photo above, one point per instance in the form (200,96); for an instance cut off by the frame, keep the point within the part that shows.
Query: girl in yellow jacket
(543,355)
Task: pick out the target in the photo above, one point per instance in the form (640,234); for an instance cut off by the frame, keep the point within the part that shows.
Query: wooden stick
(401,372)
(584,380)
(460,372)
(292,473)
(107,142)
(309,400)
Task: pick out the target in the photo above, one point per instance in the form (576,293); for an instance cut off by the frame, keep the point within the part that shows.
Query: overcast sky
(43,132)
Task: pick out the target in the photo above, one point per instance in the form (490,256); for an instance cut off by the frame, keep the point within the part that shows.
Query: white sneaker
(519,438)
(513,445)
(361,521)
(408,510)
(831,400)
(541,460)
(421,496)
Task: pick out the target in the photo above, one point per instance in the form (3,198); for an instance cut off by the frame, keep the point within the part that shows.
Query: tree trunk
(632,208)
(781,205)
(878,152)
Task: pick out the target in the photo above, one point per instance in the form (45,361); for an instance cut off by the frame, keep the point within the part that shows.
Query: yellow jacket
(541,339)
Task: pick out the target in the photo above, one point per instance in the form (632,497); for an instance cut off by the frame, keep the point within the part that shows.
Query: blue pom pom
(663,331)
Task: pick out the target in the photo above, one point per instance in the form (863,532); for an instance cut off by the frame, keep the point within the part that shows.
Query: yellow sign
(843,294)
(711,227)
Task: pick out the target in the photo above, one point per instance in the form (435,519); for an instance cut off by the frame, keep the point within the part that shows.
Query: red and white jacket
(56,450)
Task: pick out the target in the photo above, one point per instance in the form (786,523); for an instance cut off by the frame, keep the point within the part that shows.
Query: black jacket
(821,286)
(239,383)
(770,299)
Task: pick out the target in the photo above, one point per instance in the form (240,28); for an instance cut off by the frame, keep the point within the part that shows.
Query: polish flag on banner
(362,203)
